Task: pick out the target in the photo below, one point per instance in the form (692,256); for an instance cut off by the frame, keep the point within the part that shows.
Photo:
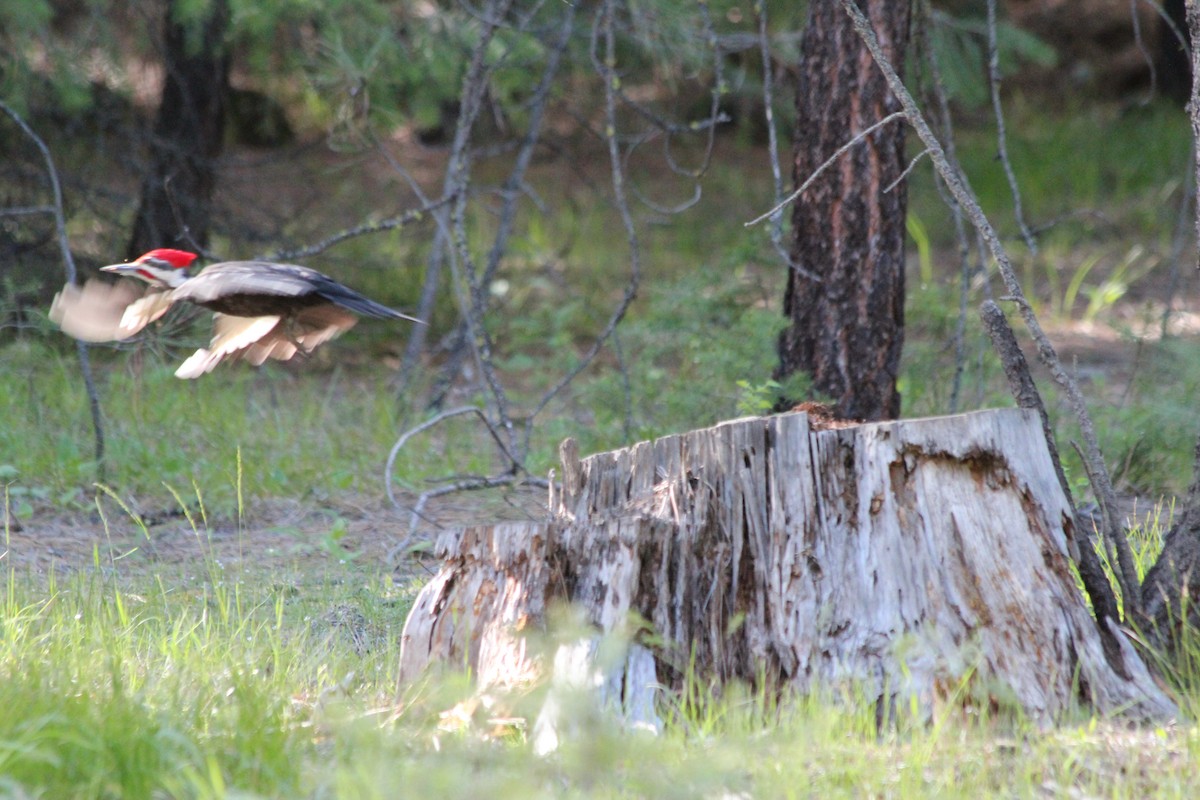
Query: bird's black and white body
(262,309)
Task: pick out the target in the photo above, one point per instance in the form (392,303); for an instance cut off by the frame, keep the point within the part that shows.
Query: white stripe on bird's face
(152,271)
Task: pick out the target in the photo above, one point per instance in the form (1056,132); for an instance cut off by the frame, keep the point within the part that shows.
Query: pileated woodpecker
(263,310)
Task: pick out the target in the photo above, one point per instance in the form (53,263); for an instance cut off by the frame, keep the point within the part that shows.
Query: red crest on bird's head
(176,258)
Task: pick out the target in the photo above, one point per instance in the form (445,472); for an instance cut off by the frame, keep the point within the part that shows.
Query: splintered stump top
(923,559)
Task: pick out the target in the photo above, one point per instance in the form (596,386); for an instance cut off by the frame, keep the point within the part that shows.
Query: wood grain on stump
(897,560)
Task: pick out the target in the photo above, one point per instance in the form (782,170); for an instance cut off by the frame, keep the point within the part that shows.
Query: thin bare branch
(26,211)
(604,23)
(904,174)
(391,223)
(1179,35)
(768,96)
(512,188)
(858,137)
(958,185)
(646,201)
(1001,134)
(471,484)
(715,117)
(1141,46)
(64,246)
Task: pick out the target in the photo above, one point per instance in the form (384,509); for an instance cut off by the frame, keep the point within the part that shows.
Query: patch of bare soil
(275,535)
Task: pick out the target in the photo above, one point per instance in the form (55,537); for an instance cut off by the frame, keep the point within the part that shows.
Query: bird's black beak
(119,268)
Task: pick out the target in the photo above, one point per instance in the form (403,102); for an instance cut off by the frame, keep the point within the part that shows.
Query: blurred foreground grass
(233,684)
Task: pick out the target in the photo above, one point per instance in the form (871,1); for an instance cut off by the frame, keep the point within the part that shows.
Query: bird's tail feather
(353,301)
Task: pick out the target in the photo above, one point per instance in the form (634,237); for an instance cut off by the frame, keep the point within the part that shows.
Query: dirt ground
(276,535)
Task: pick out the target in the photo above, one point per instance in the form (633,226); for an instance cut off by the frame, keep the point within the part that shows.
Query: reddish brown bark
(847,328)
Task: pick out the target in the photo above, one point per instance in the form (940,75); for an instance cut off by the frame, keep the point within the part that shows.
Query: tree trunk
(921,561)
(1172,60)
(847,324)
(176,204)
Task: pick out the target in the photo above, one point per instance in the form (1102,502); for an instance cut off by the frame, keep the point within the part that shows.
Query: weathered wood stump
(895,560)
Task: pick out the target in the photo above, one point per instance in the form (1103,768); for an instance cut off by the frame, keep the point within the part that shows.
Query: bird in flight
(262,309)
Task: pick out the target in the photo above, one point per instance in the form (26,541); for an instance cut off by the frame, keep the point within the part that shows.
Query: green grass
(132,681)
(1107,158)
(304,435)
(128,692)
(126,685)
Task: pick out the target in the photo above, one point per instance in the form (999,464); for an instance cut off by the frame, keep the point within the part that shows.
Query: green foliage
(757,399)
(39,67)
(961,46)
(1146,537)
(17,15)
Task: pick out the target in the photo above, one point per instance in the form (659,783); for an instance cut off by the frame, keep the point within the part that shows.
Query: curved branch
(64,246)
(715,117)
(472,484)
(1179,35)
(516,465)
(515,474)
(826,164)
(642,197)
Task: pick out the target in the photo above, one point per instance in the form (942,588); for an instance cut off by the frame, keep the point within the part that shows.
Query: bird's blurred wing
(95,311)
(314,326)
(304,332)
(231,335)
(257,339)
(142,312)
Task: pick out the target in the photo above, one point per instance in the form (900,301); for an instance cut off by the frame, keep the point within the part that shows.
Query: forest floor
(274,535)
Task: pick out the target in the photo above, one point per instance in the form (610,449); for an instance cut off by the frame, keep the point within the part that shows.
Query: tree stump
(920,559)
